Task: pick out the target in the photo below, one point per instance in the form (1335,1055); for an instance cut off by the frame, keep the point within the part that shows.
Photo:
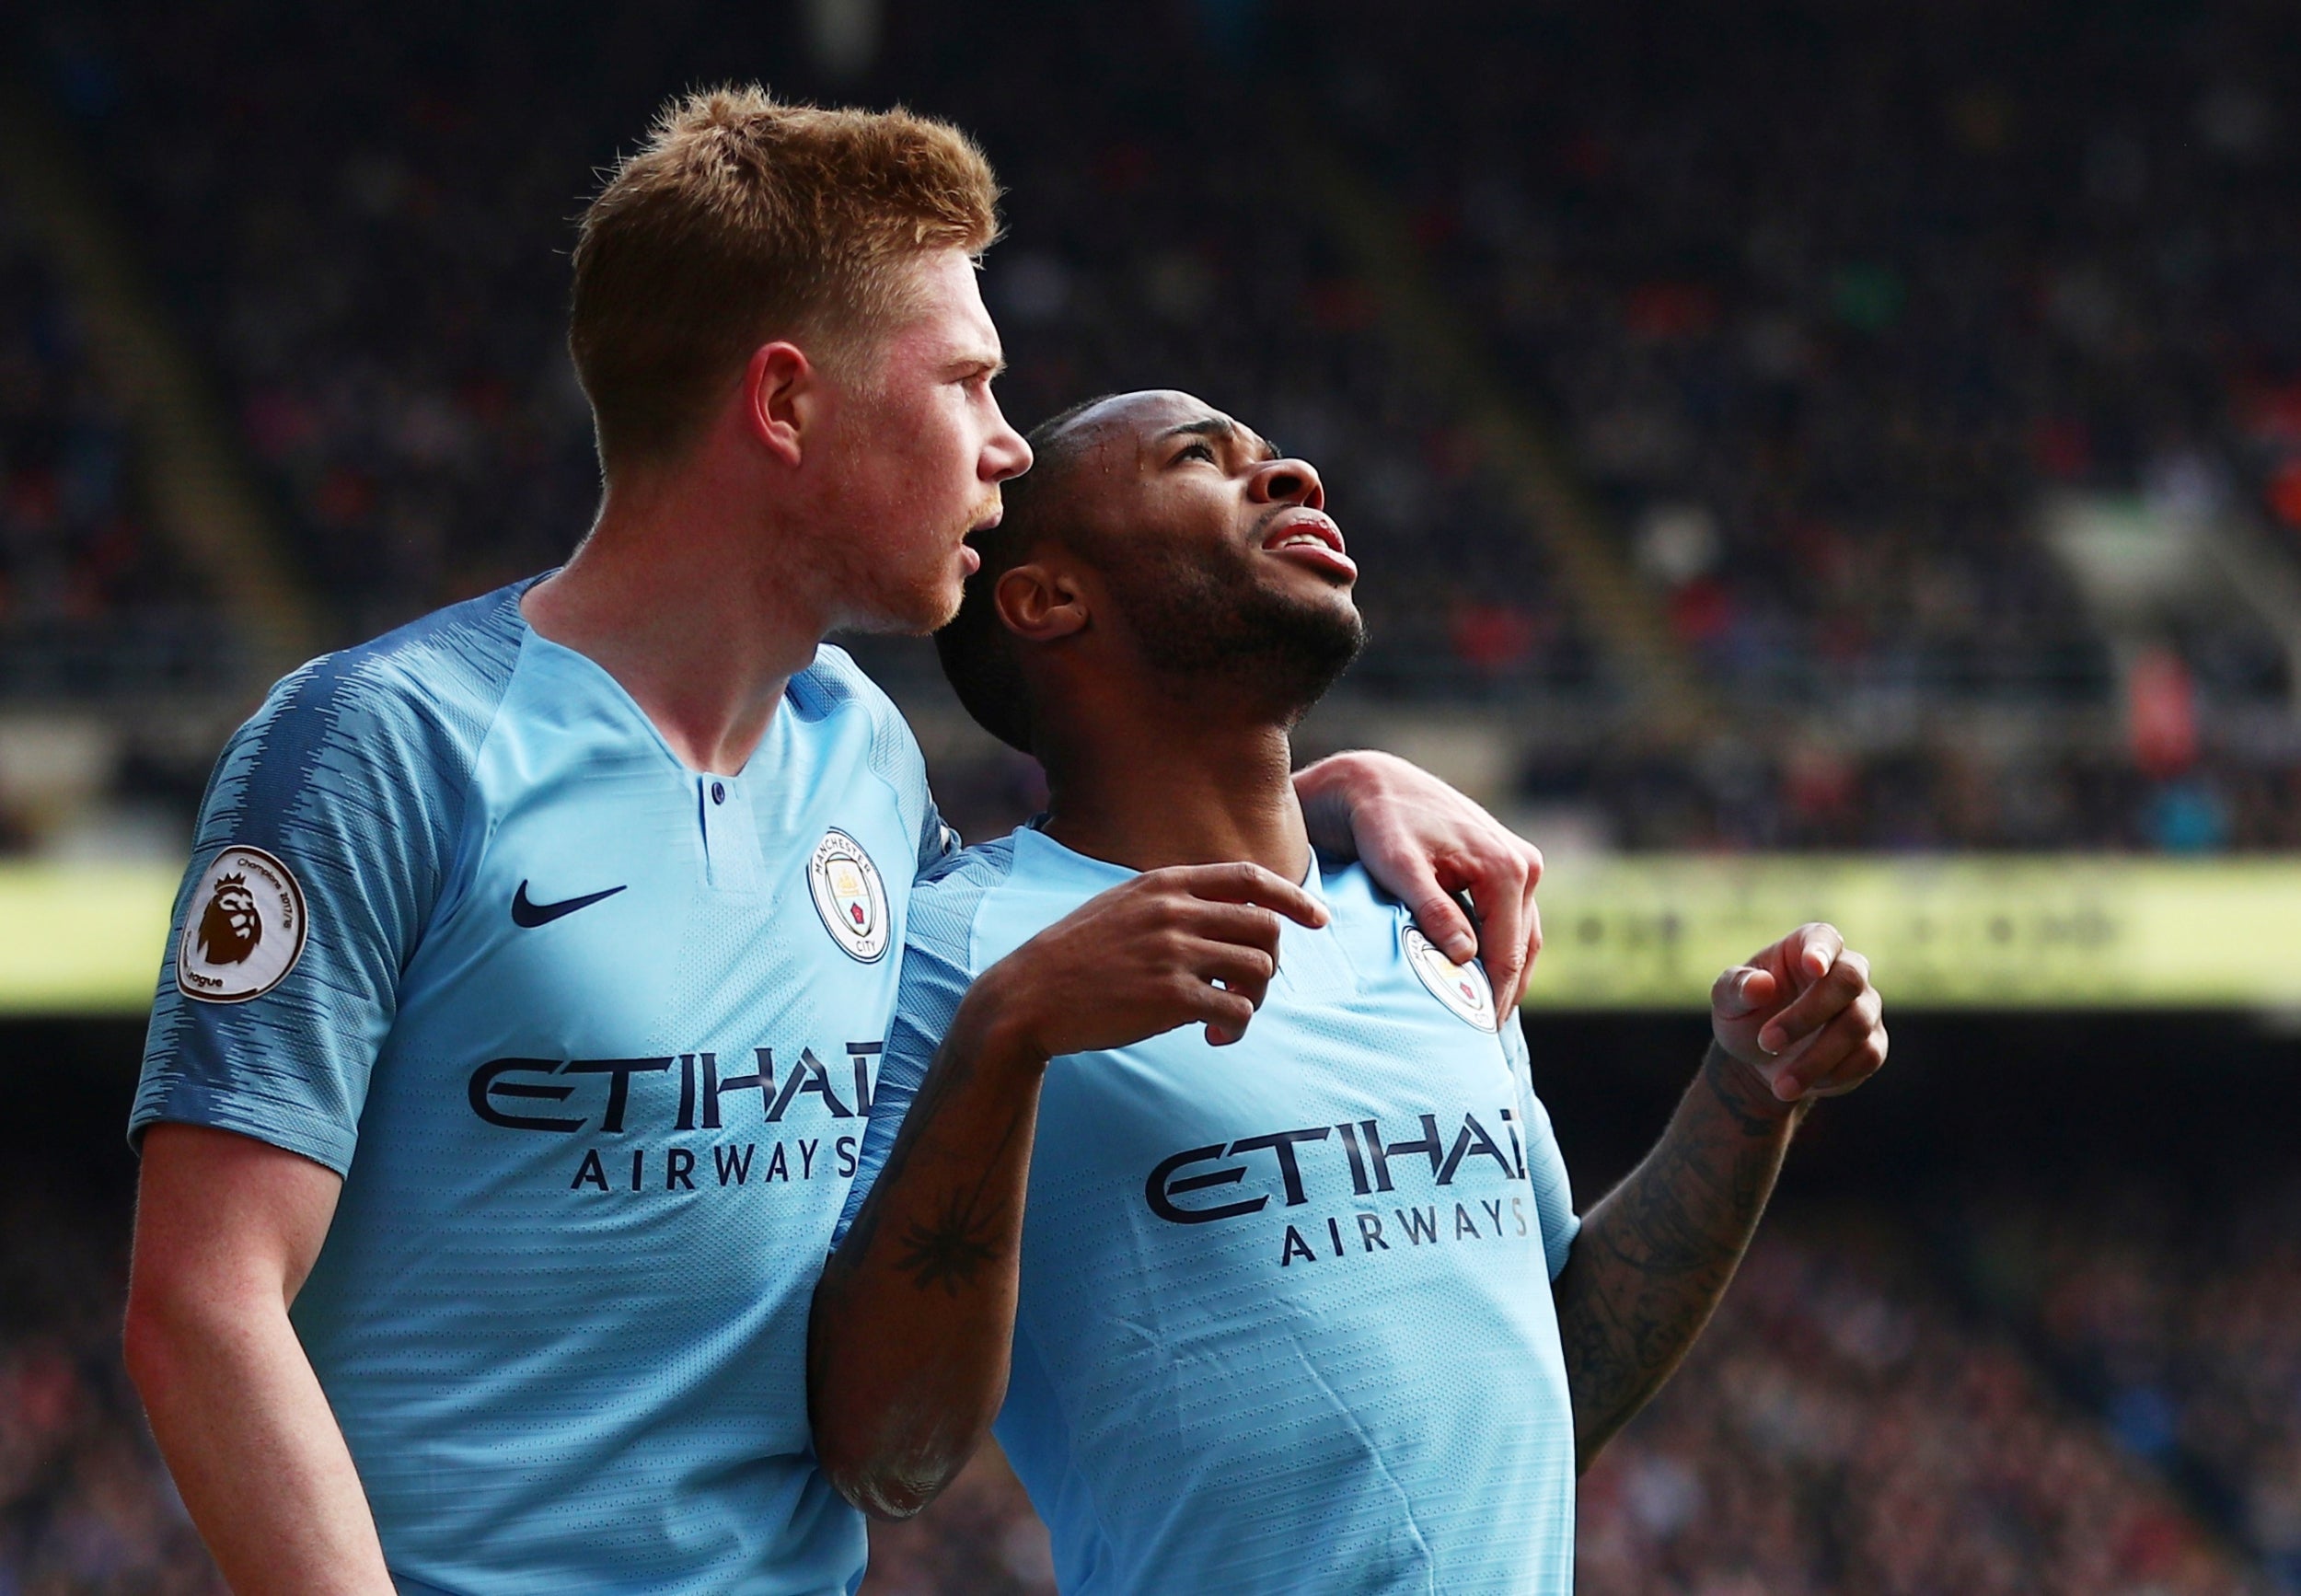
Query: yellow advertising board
(1956,930)
(82,939)
(1631,931)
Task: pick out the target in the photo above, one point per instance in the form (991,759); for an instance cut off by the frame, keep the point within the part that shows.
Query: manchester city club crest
(244,930)
(849,895)
(1461,987)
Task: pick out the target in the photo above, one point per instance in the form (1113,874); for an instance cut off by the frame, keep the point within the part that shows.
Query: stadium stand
(1820,362)
(2179,1326)
(84,1505)
(1838,1429)
(369,232)
(91,599)
(1833,314)
(1860,1419)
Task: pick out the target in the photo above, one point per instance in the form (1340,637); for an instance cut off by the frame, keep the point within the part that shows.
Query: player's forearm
(254,1448)
(914,1319)
(1655,1255)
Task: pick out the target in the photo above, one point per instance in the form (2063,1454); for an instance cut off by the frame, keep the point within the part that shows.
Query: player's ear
(783,399)
(1040,602)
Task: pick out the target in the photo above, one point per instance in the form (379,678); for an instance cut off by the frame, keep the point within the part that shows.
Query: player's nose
(1288,482)
(1006,452)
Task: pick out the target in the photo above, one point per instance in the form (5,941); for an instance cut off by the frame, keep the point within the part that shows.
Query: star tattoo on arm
(952,1250)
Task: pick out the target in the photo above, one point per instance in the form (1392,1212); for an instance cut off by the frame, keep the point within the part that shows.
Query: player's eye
(1195,452)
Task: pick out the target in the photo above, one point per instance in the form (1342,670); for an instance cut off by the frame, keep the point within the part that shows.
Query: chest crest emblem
(850,896)
(1461,987)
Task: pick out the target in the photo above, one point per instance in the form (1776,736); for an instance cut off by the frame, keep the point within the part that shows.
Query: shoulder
(431,686)
(834,687)
(1381,935)
(833,681)
(949,899)
(394,720)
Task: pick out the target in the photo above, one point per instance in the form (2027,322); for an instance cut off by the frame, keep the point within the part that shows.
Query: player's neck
(677,603)
(1201,793)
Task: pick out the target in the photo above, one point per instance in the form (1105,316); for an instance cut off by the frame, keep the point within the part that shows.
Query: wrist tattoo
(1742,1092)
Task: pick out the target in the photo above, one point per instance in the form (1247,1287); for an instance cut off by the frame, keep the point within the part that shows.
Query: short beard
(1211,626)
(874,601)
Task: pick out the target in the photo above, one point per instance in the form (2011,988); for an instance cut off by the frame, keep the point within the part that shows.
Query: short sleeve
(938,955)
(334,806)
(1545,1165)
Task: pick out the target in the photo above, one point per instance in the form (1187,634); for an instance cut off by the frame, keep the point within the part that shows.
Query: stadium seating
(84,1505)
(91,599)
(369,232)
(1842,1428)
(1839,1428)
(2179,1323)
(1821,328)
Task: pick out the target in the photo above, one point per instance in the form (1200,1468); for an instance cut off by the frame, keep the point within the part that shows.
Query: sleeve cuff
(290,1128)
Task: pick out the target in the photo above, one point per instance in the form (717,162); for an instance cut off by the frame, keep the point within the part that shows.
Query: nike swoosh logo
(531,915)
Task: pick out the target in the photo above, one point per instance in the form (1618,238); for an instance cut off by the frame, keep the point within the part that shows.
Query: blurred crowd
(364,217)
(1822,309)
(86,1508)
(1844,1428)
(1830,305)
(1828,301)
(1839,1428)
(2184,1324)
(1944,793)
(88,594)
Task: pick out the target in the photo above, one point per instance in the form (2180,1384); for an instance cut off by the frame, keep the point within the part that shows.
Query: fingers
(1248,884)
(1439,917)
(1248,925)
(1819,1003)
(1244,970)
(1226,1014)
(1814,948)
(1847,1052)
(1502,886)
(1501,934)
(1516,987)
(1741,991)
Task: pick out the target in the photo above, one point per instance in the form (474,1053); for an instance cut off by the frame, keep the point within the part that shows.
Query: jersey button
(719,791)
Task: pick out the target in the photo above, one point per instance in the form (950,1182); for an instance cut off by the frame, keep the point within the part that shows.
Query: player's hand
(1803,1014)
(1145,957)
(1423,842)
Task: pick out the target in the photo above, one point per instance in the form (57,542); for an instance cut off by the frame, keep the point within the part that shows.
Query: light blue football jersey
(592,1039)
(1286,1321)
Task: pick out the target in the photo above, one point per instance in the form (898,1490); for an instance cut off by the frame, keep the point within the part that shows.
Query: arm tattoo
(1655,1255)
(950,1249)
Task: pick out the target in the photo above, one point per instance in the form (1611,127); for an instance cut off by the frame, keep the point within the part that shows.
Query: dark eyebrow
(1212,427)
(1216,427)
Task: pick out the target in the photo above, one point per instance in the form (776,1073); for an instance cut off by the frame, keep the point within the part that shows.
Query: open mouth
(971,558)
(1310,537)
